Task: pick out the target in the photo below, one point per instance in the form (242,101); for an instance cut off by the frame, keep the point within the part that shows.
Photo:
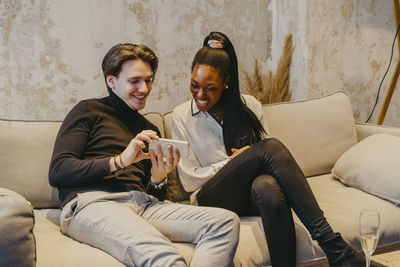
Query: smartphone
(182,146)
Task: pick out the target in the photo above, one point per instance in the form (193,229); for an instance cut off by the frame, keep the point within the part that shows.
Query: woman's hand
(134,151)
(163,164)
(236,152)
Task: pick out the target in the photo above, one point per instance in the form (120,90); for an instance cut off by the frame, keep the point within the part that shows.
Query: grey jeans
(137,229)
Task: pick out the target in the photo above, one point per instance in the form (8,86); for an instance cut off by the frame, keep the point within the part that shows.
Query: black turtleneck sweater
(92,132)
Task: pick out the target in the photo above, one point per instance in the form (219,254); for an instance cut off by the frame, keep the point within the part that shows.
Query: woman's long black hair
(241,126)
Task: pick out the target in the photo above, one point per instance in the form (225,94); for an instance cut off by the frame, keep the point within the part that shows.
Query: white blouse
(207,154)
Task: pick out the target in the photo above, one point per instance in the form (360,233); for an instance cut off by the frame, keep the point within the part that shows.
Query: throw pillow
(372,165)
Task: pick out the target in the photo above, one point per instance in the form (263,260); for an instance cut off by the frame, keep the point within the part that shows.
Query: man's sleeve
(67,166)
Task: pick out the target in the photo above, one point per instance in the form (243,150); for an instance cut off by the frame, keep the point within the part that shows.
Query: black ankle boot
(336,249)
(341,254)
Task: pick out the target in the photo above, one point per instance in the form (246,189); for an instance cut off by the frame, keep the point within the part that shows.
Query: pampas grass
(272,88)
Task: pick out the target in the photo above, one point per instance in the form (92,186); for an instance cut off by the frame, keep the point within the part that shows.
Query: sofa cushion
(17,243)
(342,205)
(24,162)
(373,166)
(27,147)
(316,131)
(56,249)
(157,119)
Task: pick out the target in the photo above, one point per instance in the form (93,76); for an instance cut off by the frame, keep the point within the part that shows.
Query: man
(108,183)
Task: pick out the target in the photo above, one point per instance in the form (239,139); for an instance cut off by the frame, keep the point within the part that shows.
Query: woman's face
(206,86)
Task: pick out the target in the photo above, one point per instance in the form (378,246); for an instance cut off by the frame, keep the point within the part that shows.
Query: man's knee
(226,221)
(152,254)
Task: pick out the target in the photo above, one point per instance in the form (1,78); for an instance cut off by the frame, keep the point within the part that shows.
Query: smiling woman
(207,88)
(232,165)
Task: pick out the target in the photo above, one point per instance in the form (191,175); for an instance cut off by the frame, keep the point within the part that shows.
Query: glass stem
(368,259)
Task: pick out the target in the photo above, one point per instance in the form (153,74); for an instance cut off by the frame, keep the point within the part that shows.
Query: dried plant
(272,88)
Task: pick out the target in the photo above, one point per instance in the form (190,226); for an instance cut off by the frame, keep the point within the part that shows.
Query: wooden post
(392,85)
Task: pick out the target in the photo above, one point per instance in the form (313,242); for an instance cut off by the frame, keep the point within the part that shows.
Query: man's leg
(115,227)
(215,231)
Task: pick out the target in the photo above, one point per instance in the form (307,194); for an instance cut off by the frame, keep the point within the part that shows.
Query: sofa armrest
(17,243)
(365,130)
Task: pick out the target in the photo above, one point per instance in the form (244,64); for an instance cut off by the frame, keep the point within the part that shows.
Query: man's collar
(195,109)
(118,104)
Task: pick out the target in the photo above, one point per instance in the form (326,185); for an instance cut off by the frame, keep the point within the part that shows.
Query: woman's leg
(276,216)
(270,156)
(230,187)
(248,194)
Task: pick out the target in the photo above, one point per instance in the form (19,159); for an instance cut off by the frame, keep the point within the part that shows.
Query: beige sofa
(317,132)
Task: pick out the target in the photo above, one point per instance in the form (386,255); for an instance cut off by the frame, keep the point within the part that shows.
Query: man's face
(133,84)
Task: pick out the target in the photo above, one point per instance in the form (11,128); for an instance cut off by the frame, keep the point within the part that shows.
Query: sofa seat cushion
(316,131)
(342,205)
(56,249)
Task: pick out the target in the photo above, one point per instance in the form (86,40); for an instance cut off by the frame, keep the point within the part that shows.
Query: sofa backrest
(26,149)
(316,131)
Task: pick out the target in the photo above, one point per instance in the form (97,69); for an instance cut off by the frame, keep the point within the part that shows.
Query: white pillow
(372,165)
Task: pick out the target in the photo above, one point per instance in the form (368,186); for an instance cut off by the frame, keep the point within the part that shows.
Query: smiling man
(109,186)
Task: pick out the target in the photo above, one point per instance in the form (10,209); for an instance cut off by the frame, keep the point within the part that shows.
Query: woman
(232,165)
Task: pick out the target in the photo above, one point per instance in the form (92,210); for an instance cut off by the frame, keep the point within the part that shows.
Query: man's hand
(236,152)
(163,164)
(134,151)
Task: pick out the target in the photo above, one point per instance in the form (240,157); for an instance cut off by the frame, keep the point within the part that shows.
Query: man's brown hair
(118,54)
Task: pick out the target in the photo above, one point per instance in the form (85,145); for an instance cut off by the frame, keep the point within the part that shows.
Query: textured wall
(51,50)
(291,17)
(348,48)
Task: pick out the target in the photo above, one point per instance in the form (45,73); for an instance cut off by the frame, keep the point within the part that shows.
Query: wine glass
(369,232)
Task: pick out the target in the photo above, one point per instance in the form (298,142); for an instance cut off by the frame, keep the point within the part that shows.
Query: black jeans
(267,174)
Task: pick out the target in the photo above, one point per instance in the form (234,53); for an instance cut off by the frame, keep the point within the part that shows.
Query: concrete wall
(348,46)
(51,50)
